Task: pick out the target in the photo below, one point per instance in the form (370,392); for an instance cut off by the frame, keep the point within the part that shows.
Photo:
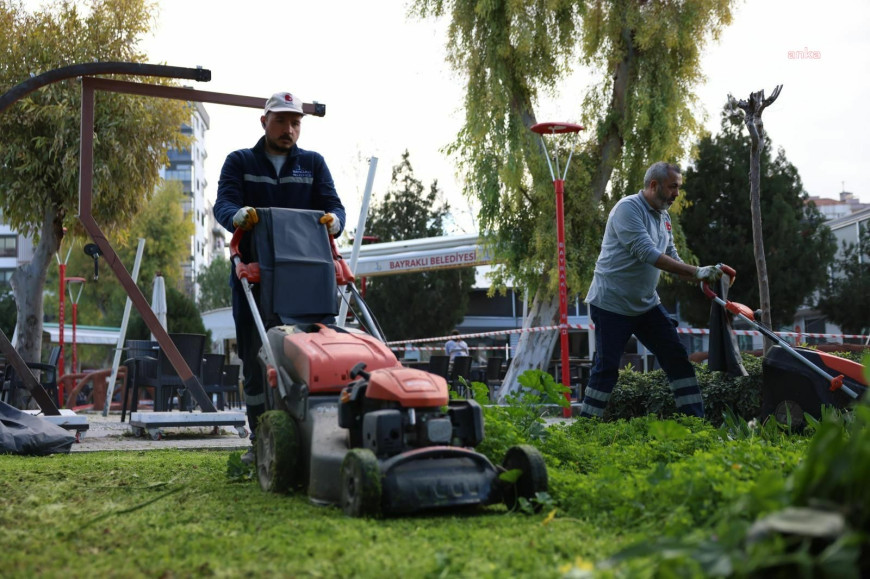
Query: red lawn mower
(345,421)
(796,380)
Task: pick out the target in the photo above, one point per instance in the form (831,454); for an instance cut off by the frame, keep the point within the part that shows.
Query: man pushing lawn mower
(638,245)
(344,420)
(332,409)
(274,173)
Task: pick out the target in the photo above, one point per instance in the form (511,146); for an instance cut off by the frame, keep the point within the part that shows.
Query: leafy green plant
(521,419)
(641,393)
(775,528)
(836,469)
(542,501)
(238,471)
(526,409)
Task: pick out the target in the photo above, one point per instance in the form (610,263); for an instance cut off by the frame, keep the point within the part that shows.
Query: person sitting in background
(455,347)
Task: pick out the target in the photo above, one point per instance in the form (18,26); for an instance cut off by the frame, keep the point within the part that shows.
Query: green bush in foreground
(816,523)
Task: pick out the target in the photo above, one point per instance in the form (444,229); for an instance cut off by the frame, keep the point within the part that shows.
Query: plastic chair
(493,373)
(160,375)
(230,384)
(212,377)
(13,392)
(440,365)
(461,369)
(138,351)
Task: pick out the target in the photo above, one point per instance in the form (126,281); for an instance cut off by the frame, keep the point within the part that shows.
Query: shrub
(638,394)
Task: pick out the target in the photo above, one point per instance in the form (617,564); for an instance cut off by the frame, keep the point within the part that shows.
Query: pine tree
(717,223)
(415,305)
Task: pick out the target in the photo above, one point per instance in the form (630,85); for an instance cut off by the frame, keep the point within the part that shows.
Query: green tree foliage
(214,285)
(415,305)
(39,160)
(166,230)
(718,226)
(846,299)
(643,59)
(646,56)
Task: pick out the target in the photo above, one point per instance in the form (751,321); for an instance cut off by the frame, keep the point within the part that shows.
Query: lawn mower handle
(745,313)
(248,271)
(725,269)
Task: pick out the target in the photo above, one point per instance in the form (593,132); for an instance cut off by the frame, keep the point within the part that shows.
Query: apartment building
(188,168)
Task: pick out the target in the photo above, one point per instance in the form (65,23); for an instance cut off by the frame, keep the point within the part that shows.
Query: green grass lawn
(175,514)
(637,498)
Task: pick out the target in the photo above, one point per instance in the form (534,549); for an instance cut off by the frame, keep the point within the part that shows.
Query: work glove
(708,273)
(333,225)
(245,218)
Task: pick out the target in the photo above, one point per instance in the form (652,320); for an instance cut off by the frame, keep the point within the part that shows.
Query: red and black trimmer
(796,380)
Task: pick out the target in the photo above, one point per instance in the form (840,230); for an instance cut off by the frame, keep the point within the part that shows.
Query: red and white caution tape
(694,331)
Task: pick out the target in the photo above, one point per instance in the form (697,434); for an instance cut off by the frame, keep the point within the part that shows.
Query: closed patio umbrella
(158,301)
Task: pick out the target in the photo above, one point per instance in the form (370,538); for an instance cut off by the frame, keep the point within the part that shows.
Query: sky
(387,86)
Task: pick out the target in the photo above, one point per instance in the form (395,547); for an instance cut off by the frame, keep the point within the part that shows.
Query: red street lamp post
(75,309)
(559,185)
(61,295)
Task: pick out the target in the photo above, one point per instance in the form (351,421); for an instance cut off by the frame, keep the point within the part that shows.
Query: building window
(5,277)
(8,246)
(180,174)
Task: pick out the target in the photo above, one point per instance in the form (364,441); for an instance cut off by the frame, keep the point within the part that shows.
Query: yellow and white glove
(708,273)
(245,218)
(333,225)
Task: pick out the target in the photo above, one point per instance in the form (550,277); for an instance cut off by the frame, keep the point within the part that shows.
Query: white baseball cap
(283,102)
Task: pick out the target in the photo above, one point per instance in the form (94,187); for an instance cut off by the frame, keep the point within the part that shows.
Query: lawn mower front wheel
(277,451)
(361,484)
(533,478)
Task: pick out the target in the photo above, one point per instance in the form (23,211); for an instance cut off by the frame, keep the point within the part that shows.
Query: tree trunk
(610,144)
(534,349)
(28,282)
(752,110)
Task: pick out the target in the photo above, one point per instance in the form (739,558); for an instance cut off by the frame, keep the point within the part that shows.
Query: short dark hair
(659,172)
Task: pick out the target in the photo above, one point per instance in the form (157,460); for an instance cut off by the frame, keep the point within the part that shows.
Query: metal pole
(559,185)
(360,230)
(61,314)
(122,334)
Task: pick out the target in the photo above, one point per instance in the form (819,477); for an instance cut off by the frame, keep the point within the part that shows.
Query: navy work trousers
(248,343)
(654,330)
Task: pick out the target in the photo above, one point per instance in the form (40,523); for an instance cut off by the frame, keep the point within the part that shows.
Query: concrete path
(109,433)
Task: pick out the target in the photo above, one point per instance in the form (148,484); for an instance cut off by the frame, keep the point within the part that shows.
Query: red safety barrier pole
(559,186)
(61,295)
(75,309)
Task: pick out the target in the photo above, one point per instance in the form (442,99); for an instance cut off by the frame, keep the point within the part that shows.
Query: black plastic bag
(724,353)
(23,433)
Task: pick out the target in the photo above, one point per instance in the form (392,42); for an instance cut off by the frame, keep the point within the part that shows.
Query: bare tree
(752,110)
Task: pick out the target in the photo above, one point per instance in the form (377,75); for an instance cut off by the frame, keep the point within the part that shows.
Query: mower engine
(392,410)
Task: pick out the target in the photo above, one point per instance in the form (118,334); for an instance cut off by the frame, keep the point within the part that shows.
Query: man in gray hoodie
(638,245)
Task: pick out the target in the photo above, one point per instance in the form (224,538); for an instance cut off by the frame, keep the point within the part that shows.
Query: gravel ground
(109,433)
